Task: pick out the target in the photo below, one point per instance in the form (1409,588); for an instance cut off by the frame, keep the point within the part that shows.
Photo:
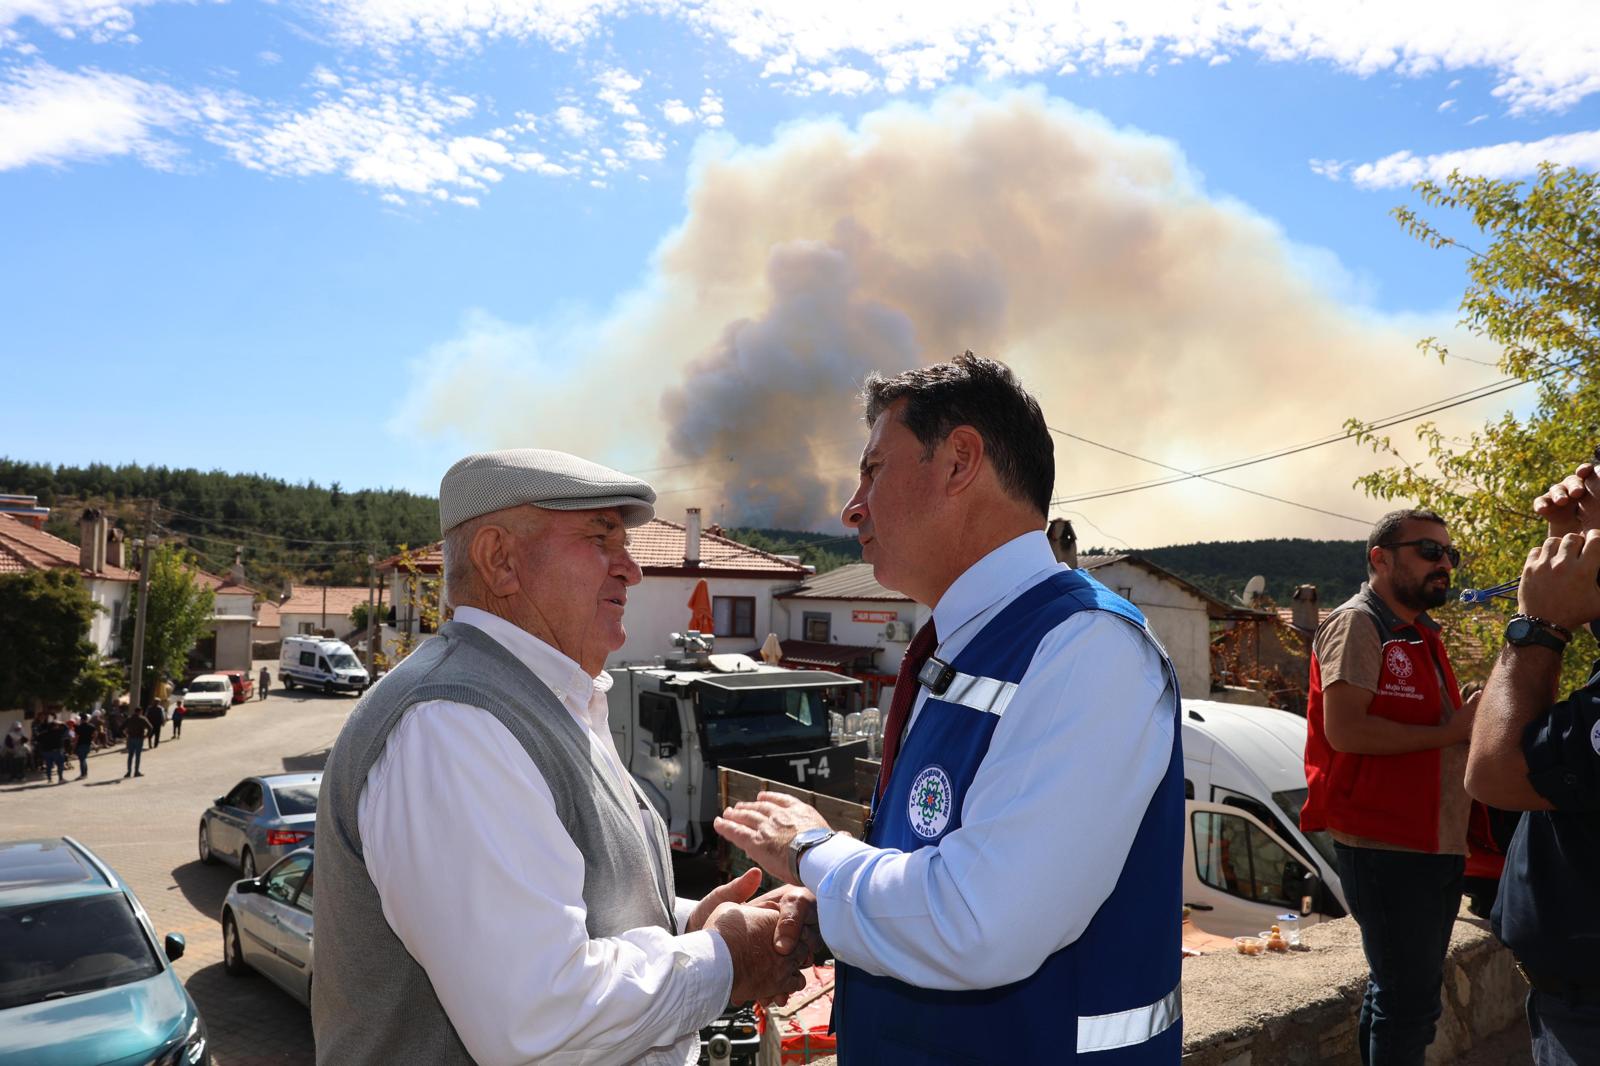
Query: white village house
(845,621)
(98,561)
(675,558)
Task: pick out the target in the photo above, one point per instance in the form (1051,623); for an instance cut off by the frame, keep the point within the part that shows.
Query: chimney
(115,556)
(1305,607)
(92,541)
(1063,541)
(236,575)
(691,538)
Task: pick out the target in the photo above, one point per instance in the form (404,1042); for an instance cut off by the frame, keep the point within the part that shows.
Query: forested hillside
(322,533)
(304,532)
(1336,567)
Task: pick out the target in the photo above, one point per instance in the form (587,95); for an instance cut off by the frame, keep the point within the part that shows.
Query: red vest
(1392,798)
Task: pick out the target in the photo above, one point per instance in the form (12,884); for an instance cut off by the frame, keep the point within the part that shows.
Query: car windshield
(66,947)
(209,686)
(296,799)
(756,720)
(344,661)
(1289,802)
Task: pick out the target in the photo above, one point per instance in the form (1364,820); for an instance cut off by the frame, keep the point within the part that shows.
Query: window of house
(306,627)
(735,616)
(817,627)
(1234,855)
(1126,592)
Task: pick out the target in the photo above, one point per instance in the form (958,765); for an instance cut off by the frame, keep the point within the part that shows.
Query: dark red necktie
(905,697)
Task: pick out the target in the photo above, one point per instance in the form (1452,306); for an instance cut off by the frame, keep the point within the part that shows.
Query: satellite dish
(1253,590)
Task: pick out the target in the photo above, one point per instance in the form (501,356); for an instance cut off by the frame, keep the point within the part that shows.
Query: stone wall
(1300,1009)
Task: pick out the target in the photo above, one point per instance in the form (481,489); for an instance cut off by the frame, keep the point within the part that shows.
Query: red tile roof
(308,600)
(28,548)
(658,546)
(853,581)
(267,615)
(224,585)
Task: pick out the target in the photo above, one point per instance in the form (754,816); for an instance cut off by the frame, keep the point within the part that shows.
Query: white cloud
(1327,168)
(53,116)
(842,81)
(269,58)
(1509,160)
(711,109)
(1544,54)
(575,121)
(99,20)
(387,134)
(617,87)
(1446,106)
(676,112)
(1475,119)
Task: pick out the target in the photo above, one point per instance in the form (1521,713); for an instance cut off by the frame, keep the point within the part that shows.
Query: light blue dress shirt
(1049,818)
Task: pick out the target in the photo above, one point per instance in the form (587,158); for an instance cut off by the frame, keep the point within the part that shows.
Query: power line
(214,524)
(1212,480)
(1480,393)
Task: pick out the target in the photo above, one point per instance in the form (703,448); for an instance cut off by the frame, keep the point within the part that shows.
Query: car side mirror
(666,750)
(220,801)
(252,887)
(175,945)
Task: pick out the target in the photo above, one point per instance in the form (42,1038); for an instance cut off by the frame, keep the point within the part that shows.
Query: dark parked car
(260,820)
(81,977)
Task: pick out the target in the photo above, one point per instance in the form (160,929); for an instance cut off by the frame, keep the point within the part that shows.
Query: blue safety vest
(1111,997)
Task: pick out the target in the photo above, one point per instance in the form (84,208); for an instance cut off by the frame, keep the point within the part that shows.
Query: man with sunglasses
(1534,753)
(1385,762)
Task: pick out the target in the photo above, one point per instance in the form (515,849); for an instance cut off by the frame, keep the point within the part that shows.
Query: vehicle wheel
(233,963)
(205,846)
(288,682)
(247,865)
(327,688)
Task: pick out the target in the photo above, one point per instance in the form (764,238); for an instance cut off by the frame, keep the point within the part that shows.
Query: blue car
(81,977)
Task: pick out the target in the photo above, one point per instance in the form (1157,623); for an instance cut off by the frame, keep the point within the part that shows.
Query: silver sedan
(266,926)
(260,820)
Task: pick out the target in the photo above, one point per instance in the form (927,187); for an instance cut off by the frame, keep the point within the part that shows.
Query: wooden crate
(843,815)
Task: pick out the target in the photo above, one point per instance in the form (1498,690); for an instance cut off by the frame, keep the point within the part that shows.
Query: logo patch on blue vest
(932,798)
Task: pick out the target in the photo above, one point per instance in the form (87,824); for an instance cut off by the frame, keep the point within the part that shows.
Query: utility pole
(372,614)
(136,686)
(325,601)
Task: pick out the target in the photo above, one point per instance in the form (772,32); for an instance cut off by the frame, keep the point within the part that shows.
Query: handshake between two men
(770,938)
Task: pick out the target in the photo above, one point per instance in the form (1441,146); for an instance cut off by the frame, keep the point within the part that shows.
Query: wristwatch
(1524,630)
(803,842)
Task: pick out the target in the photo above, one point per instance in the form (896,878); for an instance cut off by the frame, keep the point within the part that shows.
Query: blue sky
(347,240)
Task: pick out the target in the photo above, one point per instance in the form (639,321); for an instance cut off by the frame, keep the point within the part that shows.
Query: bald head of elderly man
(492,886)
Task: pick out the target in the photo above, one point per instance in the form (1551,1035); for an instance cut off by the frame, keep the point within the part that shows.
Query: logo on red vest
(932,798)
(1398,662)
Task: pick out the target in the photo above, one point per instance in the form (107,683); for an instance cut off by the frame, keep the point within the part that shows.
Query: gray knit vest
(371,1002)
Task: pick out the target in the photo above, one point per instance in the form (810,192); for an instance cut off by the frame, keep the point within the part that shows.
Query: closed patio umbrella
(700,616)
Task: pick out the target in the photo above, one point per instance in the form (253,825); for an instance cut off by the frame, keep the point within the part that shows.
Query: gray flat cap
(493,481)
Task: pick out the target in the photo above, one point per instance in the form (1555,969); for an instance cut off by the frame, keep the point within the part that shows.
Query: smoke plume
(1142,312)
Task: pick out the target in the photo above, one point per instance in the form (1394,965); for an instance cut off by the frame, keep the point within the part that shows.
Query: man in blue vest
(1018,894)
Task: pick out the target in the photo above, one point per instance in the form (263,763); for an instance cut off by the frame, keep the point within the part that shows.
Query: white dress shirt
(480,881)
(1050,815)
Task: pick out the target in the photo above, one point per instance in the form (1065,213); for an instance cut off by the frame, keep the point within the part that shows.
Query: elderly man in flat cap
(492,887)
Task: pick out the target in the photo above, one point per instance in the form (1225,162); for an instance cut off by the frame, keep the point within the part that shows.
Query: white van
(1246,860)
(321,662)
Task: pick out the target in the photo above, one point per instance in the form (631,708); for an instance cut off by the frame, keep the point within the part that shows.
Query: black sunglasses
(1431,550)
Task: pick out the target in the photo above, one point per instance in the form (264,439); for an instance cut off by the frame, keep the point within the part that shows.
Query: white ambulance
(321,662)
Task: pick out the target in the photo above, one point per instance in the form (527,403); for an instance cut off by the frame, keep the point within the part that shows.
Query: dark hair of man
(984,394)
(1387,529)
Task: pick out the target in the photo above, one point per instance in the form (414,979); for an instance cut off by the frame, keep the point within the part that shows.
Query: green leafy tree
(179,615)
(1533,289)
(44,637)
(99,678)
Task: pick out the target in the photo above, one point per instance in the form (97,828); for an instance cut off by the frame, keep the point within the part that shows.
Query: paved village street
(145,829)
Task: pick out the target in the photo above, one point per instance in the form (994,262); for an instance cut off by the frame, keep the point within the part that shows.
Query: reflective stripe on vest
(1106,1032)
(984,694)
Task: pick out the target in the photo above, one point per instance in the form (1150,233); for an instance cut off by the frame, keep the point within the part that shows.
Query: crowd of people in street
(54,738)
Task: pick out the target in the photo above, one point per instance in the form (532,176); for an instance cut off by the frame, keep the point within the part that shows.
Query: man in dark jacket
(156,715)
(136,728)
(1534,753)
